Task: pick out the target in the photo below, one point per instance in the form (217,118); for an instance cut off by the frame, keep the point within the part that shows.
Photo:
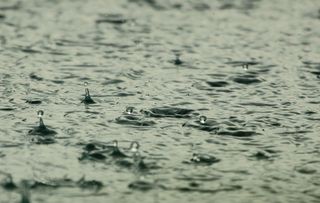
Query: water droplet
(245,66)
(115,143)
(40,113)
(86,84)
(129,110)
(195,157)
(134,146)
(202,119)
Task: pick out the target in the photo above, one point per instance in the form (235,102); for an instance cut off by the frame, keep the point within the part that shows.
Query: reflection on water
(191,101)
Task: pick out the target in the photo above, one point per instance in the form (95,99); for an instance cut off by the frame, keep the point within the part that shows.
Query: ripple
(7,183)
(33,101)
(116,19)
(241,63)
(7,109)
(90,184)
(217,83)
(35,77)
(15,6)
(133,120)
(112,81)
(261,155)
(152,3)
(209,125)
(246,79)
(42,139)
(210,191)
(99,152)
(30,51)
(42,131)
(142,185)
(202,159)
(239,133)
(162,112)
(258,104)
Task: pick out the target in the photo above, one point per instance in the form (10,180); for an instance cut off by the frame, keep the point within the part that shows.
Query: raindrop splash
(116,153)
(129,110)
(41,123)
(87,98)
(42,130)
(115,144)
(204,159)
(40,113)
(24,192)
(137,159)
(134,147)
(245,66)
(177,61)
(195,157)
(202,120)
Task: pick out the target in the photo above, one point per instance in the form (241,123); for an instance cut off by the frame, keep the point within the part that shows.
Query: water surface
(251,67)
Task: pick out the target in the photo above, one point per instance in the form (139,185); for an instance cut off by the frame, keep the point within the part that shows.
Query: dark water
(251,67)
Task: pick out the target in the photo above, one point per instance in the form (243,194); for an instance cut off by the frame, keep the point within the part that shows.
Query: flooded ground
(219,101)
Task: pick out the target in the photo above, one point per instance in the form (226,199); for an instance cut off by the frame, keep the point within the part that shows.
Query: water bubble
(40,113)
(202,119)
(129,110)
(245,66)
